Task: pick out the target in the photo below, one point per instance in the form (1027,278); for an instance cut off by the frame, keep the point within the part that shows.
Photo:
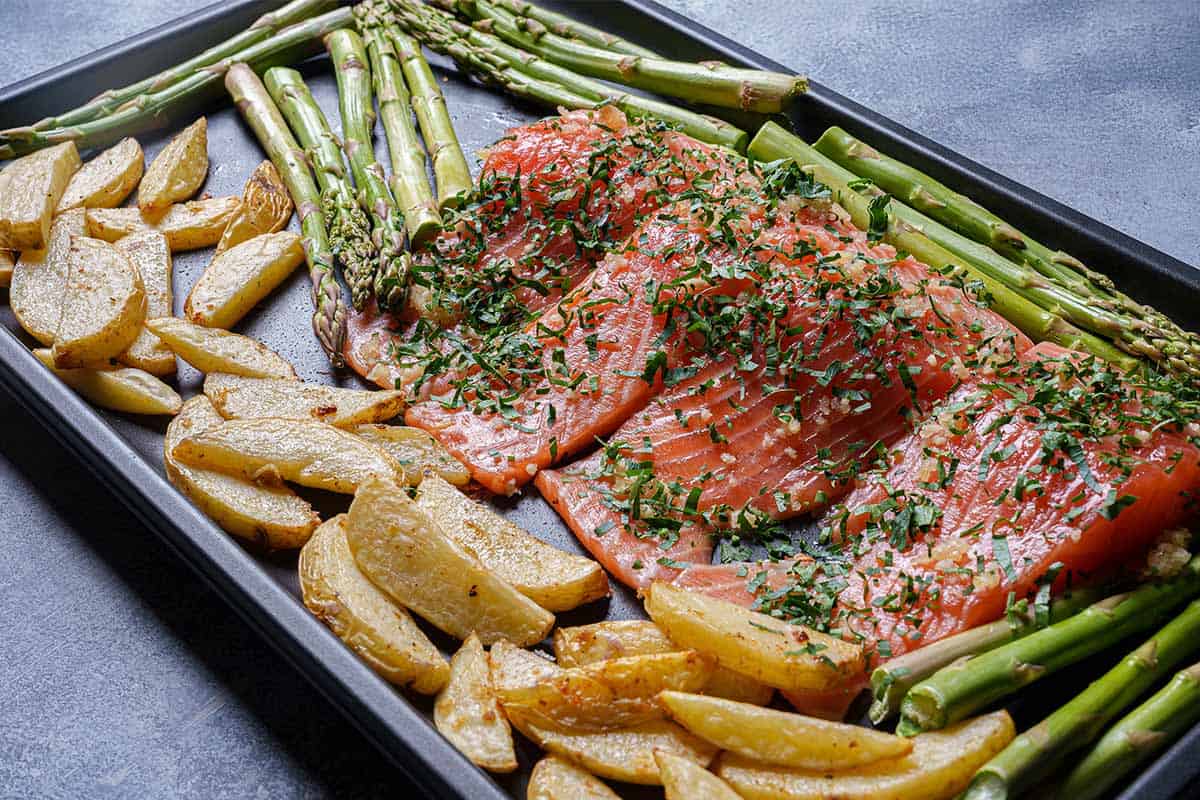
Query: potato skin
(176,172)
(106,180)
(266,207)
(237,397)
(125,389)
(8,260)
(30,188)
(216,350)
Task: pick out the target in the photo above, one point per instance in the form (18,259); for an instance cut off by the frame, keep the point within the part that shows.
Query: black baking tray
(125,453)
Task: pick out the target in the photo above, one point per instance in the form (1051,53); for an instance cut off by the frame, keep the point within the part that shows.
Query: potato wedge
(785,656)
(403,552)
(40,279)
(237,397)
(781,737)
(7,262)
(467,713)
(106,180)
(417,452)
(176,172)
(686,780)
(554,778)
(239,278)
(216,350)
(308,453)
(266,207)
(379,631)
(149,252)
(104,306)
(940,766)
(555,580)
(123,389)
(273,517)
(30,189)
(187,226)
(586,644)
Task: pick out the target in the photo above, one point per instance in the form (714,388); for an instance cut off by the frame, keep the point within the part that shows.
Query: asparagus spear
(260,113)
(389,281)
(1137,738)
(150,108)
(349,230)
(1044,746)
(524,74)
(960,690)
(711,82)
(569,28)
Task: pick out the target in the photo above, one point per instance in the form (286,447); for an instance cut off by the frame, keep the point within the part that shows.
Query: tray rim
(385,716)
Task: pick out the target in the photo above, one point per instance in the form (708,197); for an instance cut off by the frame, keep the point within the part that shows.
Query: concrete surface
(122,676)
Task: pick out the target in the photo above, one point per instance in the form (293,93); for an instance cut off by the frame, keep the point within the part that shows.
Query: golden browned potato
(187,226)
(555,580)
(940,766)
(781,737)
(149,253)
(216,350)
(586,644)
(683,779)
(104,306)
(7,262)
(467,713)
(106,180)
(554,778)
(416,451)
(237,397)
(379,631)
(271,516)
(123,389)
(309,453)
(788,657)
(30,188)
(266,208)
(404,553)
(176,172)
(239,278)
(40,279)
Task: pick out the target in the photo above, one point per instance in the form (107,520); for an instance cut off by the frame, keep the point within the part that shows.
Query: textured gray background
(122,676)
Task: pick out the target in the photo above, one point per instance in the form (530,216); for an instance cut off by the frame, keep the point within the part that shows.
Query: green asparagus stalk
(1142,734)
(389,280)
(711,83)
(1040,749)
(496,62)
(152,107)
(409,183)
(349,230)
(960,690)
(892,680)
(256,107)
(568,28)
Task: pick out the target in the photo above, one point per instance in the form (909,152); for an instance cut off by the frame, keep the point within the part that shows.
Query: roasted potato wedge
(587,644)
(308,453)
(216,350)
(781,737)
(266,207)
(403,551)
(555,580)
(554,778)
(237,397)
(7,262)
(940,766)
(417,452)
(30,189)
(104,306)
(239,278)
(106,180)
(273,517)
(177,172)
(123,389)
(187,226)
(151,256)
(39,279)
(468,714)
(683,779)
(379,631)
(789,657)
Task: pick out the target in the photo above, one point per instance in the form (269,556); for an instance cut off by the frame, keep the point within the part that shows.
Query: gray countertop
(124,676)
